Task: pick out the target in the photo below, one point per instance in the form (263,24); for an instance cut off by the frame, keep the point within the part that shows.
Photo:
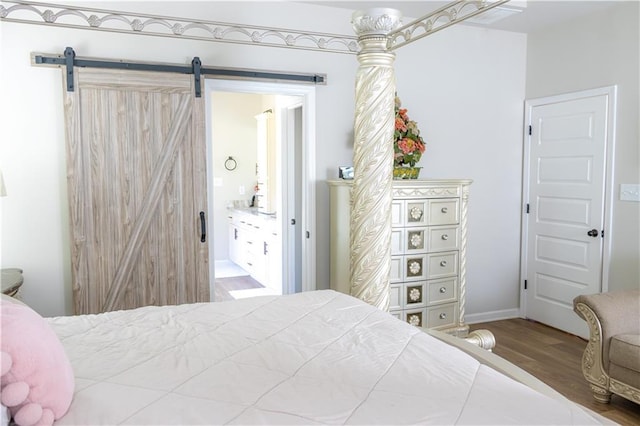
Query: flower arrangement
(408,145)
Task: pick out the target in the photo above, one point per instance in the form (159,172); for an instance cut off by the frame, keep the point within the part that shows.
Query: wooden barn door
(136,168)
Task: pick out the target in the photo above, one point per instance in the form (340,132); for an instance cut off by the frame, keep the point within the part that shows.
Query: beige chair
(611,361)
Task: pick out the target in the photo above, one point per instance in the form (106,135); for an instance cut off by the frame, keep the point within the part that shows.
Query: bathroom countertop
(253,211)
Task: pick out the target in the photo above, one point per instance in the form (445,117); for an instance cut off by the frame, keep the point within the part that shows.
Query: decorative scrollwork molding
(439,19)
(425,192)
(592,367)
(624,390)
(163,26)
(376,22)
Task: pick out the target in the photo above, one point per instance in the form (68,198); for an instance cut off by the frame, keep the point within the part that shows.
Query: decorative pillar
(373,157)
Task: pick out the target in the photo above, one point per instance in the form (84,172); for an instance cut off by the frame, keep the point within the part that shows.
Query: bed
(318,357)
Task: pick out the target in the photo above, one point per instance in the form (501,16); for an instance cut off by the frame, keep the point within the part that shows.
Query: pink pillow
(36,376)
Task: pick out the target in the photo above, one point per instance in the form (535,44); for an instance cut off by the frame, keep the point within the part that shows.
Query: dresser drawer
(415,240)
(443,238)
(396,274)
(442,316)
(442,291)
(397,240)
(397,213)
(444,211)
(415,212)
(440,265)
(414,267)
(415,317)
(395,297)
(415,295)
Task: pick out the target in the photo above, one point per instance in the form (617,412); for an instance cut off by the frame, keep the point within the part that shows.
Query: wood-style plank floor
(555,357)
(225,285)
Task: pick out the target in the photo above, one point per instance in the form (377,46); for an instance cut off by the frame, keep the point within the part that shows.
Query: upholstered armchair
(611,360)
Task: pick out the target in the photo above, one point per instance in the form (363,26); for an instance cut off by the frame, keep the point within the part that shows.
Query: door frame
(608,185)
(288,126)
(308,220)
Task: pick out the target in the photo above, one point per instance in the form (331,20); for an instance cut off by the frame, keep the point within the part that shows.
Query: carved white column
(464,210)
(373,157)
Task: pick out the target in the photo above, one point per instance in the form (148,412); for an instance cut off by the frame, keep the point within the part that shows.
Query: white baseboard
(492,316)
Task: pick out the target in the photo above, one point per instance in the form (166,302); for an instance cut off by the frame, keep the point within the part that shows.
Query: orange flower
(408,145)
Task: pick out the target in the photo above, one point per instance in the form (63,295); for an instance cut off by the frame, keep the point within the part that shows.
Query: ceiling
(533,16)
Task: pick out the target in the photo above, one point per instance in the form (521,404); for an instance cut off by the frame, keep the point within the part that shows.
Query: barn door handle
(203,228)
(593,233)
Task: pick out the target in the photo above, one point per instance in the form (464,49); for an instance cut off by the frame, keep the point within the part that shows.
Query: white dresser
(428,248)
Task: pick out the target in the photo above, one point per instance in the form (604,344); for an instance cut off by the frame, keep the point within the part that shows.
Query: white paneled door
(136,167)
(563,231)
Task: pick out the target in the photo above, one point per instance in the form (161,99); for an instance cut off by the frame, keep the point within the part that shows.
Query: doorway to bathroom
(260,168)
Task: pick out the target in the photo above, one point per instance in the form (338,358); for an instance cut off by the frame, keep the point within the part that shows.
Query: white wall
(595,51)
(464,86)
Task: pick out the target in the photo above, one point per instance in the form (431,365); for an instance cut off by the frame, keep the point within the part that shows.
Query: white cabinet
(428,248)
(234,243)
(254,246)
(273,260)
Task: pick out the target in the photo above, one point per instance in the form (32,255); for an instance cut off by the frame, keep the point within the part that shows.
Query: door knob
(593,233)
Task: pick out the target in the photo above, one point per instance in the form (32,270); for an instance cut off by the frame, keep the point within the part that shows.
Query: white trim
(524,228)
(609,188)
(608,184)
(307,93)
(492,316)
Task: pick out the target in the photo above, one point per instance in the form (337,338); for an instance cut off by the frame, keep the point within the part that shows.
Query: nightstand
(12,280)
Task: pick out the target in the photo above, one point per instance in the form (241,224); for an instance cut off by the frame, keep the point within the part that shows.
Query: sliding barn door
(136,158)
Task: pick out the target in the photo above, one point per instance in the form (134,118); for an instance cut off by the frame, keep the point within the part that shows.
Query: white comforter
(310,358)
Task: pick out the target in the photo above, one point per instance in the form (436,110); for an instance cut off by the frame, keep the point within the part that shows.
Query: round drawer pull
(443,290)
(416,213)
(443,263)
(444,210)
(445,237)
(414,320)
(443,316)
(414,267)
(414,295)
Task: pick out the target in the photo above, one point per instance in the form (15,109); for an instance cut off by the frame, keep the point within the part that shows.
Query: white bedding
(310,358)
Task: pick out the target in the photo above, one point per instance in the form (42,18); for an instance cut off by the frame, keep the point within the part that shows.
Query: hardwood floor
(554,357)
